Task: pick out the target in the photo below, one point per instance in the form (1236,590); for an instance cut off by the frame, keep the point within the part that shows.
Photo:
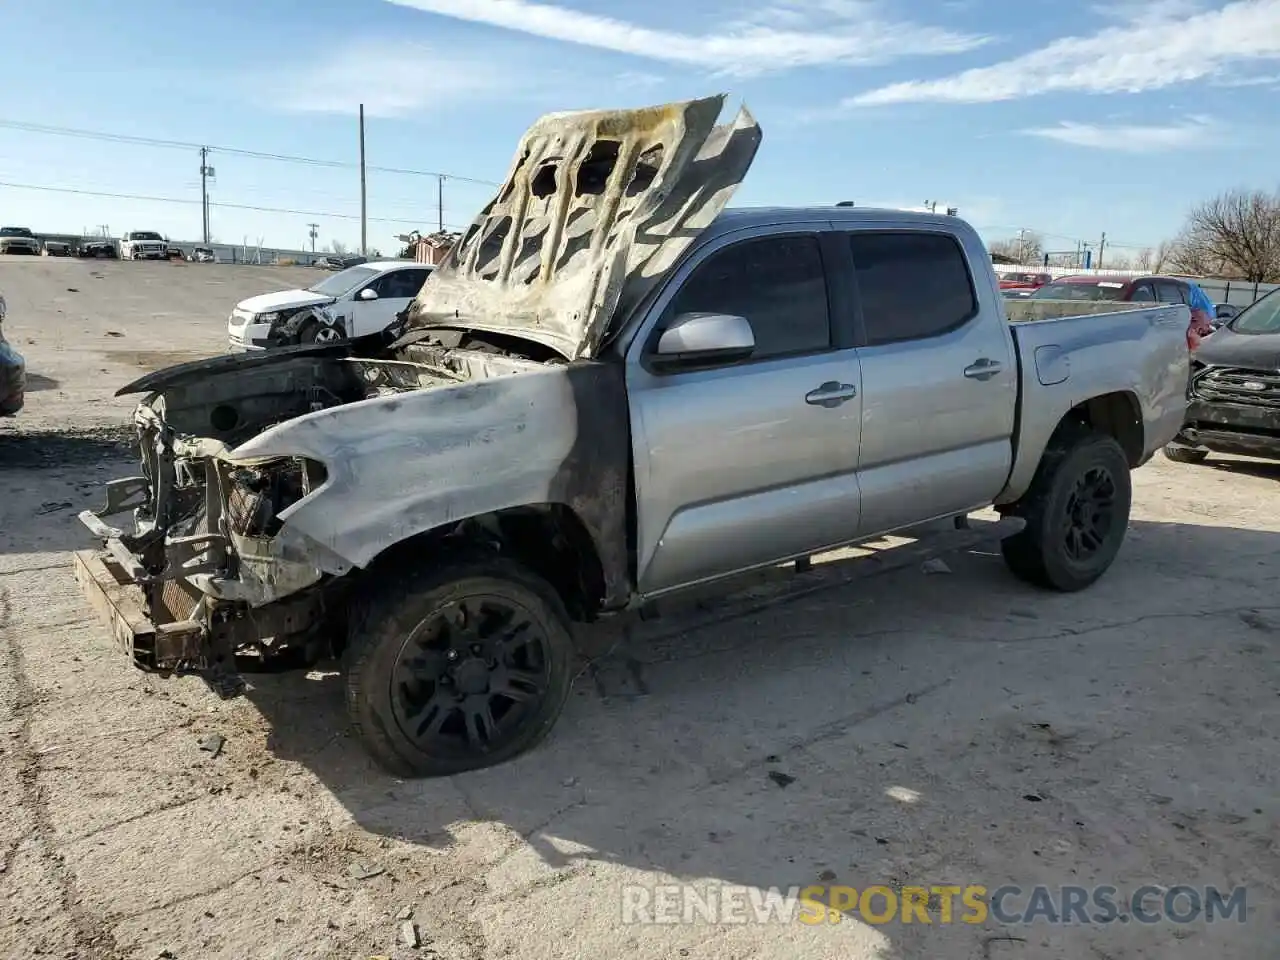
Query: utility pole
(440,200)
(364,210)
(1021,233)
(314,232)
(206,172)
(1101,246)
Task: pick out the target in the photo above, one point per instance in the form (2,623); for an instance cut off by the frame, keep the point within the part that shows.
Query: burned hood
(596,208)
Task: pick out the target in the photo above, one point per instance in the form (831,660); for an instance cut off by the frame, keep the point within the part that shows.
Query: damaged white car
(612,390)
(361,301)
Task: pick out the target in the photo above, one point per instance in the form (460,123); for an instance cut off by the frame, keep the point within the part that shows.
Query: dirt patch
(153,359)
(63,448)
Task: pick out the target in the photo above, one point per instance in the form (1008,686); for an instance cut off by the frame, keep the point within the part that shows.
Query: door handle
(984,368)
(831,394)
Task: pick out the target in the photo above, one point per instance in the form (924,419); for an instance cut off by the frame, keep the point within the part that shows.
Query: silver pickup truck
(613,390)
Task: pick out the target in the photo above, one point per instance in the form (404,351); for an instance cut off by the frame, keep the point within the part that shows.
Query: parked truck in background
(143,245)
(612,391)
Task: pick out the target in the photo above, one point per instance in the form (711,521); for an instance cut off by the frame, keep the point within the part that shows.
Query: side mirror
(703,338)
(368,293)
(1224,312)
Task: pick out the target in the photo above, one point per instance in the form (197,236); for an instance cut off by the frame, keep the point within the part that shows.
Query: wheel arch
(1117,415)
(549,539)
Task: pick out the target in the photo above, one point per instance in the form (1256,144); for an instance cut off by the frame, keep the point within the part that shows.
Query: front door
(939,380)
(751,462)
(395,290)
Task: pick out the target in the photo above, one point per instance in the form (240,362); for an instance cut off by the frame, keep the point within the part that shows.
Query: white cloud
(1196,132)
(390,79)
(1146,53)
(791,33)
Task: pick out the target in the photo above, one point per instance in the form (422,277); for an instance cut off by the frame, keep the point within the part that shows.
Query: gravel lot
(954,728)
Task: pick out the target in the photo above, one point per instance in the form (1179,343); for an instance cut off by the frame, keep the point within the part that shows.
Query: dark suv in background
(1234,402)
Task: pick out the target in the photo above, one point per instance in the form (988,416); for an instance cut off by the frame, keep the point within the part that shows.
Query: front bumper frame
(1232,428)
(116,596)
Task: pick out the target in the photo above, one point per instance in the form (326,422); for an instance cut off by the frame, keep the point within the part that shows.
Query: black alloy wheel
(467,679)
(457,666)
(1090,513)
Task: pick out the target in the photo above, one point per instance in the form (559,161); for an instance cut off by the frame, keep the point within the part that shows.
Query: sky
(1068,120)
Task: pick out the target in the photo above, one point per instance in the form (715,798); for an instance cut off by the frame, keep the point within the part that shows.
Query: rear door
(1169,292)
(939,378)
(750,462)
(1142,293)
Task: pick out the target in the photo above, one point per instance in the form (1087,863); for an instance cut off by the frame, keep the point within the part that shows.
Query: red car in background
(1023,281)
(1148,289)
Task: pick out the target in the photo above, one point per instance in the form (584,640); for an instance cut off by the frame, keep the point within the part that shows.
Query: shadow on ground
(22,449)
(36,383)
(1264,469)
(39,498)
(817,740)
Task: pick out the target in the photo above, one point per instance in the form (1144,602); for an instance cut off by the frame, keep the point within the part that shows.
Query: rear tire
(1077,511)
(1180,454)
(457,668)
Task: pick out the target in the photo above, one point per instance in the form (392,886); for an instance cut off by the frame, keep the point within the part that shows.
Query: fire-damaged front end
(271,484)
(275,484)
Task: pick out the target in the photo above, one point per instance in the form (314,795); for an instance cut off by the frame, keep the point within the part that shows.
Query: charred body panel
(269,482)
(1234,401)
(409,462)
(597,207)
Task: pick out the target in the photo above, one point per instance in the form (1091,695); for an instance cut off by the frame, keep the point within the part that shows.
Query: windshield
(15,232)
(344,282)
(144,235)
(1078,291)
(1262,317)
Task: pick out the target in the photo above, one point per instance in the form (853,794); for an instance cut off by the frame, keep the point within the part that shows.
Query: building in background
(431,248)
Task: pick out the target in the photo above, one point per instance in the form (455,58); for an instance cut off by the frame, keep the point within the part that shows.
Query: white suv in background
(357,302)
(144,245)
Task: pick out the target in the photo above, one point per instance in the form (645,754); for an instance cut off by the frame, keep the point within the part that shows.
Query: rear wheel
(1077,511)
(458,668)
(1180,454)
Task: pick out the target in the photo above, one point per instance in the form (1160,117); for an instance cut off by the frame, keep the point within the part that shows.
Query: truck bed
(1140,354)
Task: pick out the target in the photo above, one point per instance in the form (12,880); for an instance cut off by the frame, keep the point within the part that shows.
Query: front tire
(1180,454)
(1077,511)
(313,331)
(458,668)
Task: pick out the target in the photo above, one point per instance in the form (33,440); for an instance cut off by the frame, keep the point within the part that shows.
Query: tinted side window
(1142,294)
(911,285)
(1169,292)
(777,283)
(400,285)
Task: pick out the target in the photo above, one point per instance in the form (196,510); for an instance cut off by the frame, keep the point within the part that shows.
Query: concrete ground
(917,729)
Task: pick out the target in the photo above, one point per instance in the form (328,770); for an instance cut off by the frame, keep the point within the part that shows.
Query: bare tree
(1027,249)
(338,248)
(1234,235)
(1153,260)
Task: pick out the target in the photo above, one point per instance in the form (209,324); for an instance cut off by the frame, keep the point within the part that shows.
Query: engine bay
(234,405)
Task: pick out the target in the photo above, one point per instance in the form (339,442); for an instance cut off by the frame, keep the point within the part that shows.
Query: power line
(232,151)
(212,203)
